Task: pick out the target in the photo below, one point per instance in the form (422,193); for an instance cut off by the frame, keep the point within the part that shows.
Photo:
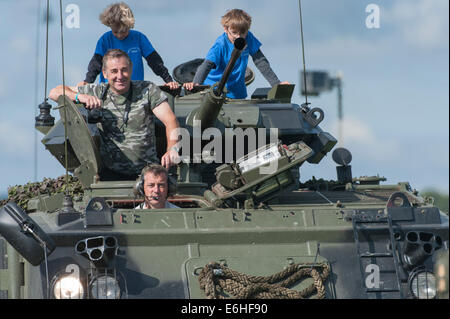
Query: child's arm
(263,66)
(156,63)
(203,71)
(94,68)
(201,74)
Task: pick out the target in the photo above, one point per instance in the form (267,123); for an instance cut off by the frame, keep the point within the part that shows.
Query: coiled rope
(215,278)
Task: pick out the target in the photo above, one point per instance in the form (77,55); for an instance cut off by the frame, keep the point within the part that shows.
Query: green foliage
(440,200)
(21,194)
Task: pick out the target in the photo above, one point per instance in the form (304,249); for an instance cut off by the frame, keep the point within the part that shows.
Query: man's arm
(164,113)
(89,100)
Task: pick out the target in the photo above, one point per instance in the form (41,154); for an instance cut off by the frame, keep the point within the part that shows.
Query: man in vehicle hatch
(155,186)
(128,108)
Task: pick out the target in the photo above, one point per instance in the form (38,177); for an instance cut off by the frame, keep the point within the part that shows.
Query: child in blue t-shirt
(236,23)
(120,19)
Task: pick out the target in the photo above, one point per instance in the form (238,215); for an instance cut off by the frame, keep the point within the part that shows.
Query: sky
(393,57)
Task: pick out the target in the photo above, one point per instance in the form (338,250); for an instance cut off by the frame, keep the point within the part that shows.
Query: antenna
(67,202)
(312,116)
(303,54)
(64,100)
(36,69)
(44,121)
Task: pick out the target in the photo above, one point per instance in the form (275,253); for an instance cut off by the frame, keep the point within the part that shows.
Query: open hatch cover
(81,141)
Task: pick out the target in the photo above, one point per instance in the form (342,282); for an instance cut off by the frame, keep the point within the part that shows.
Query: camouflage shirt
(127,138)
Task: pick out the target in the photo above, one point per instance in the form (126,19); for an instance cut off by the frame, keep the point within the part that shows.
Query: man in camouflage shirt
(128,108)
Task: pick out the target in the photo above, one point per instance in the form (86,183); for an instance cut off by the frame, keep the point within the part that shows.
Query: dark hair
(115,54)
(157,170)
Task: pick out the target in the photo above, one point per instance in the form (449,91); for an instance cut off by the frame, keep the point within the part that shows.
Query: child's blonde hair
(118,14)
(237,19)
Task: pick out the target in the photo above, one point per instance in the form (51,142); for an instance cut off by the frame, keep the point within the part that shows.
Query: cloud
(359,135)
(21,44)
(345,46)
(14,140)
(404,25)
(74,74)
(422,23)
(3,87)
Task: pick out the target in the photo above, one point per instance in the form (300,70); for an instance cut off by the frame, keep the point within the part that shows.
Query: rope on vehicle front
(217,281)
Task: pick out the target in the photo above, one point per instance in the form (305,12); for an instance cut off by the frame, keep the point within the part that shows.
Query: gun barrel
(212,101)
(239,45)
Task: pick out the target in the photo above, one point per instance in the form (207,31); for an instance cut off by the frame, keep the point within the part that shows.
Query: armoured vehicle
(247,227)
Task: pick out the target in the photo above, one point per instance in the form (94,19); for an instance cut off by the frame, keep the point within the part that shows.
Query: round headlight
(68,287)
(423,285)
(105,287)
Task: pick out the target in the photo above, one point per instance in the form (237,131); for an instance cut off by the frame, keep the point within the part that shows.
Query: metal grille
(104,283)
(95,283)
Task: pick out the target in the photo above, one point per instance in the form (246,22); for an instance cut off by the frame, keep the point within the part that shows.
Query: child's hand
(189,85)
(284,82)
(172,85)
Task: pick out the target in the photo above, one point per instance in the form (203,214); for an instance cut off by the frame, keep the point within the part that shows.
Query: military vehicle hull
(161,253)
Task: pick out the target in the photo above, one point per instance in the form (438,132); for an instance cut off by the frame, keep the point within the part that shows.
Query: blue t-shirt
(136,45)
(220,54)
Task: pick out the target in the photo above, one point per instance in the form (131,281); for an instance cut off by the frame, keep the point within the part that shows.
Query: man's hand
(82,83)
(170,158)
(164,113)
(172,85)
(91,102)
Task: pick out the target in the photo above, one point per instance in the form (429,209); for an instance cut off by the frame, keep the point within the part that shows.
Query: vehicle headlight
(68,287)
(423,285)
(105,287)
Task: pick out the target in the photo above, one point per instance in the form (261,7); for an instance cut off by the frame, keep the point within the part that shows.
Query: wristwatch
(175,148)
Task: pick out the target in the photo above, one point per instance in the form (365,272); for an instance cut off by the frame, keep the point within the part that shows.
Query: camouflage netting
(320,184)
(21,194)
